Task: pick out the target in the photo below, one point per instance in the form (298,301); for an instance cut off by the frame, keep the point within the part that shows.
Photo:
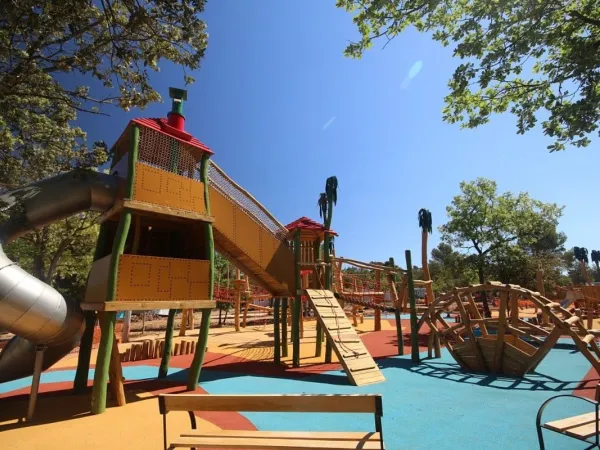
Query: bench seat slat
(296,435)
(581,426)
(344,403)
(274,444)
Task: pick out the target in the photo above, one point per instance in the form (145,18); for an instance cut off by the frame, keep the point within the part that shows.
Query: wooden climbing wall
(349,348)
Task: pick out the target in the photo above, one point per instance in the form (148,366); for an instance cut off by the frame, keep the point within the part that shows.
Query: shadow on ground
(452,372)
(72,406)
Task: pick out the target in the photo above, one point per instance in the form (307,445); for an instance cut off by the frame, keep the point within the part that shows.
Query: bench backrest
(353,403)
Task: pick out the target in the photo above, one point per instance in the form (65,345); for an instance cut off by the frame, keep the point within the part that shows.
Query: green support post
(196,367)
(276,332)
(163,369)
(85,353)
(414,332)
(284,328)
(331,185)
(108,319)
(101,377)
(87,339)
(328,350)
(319,341)
(328,283)
(297,305)
(399,333)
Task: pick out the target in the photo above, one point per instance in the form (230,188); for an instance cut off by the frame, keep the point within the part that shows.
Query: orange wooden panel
(154,278)
(159,187)
(246,235)
(222,209)
(268,247)
(281,265)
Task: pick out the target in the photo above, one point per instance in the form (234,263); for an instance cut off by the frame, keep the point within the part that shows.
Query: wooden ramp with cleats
(352,353)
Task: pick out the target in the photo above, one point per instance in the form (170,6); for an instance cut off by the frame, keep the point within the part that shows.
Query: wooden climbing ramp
(351,352)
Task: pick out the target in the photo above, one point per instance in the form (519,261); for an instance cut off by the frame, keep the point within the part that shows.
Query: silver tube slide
(29,308)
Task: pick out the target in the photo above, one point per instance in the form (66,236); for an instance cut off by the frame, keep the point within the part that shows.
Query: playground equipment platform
(356,360)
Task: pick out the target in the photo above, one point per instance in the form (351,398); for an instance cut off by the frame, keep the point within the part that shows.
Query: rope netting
(226,186)
(364,290)
(159,150)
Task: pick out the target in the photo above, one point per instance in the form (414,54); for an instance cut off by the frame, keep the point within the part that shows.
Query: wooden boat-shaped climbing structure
(506,344)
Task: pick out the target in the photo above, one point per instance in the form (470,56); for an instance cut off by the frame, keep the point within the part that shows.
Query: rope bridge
(349,298)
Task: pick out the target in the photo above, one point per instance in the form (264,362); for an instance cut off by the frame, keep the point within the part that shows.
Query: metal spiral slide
(29,308)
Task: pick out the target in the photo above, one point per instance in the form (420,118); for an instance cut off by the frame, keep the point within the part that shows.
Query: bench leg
(540,438)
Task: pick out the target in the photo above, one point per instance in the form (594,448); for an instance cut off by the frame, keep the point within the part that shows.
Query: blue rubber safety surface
(434,404)
(429,405)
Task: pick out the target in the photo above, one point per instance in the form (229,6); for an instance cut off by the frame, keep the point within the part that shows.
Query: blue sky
(283,109)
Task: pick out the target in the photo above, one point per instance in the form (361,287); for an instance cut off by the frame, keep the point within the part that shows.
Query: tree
(581,255)
(596,260)
(222,269)
(59,254)
(529,58)
(326,202)
(61,251)
(483,222)
(425,223)
(113,44)
(450,269)
(223,306)
(574,268)
(518,264)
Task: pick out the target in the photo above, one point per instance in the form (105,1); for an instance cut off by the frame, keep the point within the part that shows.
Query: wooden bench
(581,427)
(273,440)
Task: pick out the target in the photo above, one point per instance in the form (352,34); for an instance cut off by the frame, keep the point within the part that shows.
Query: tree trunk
(486,307)
(56,259)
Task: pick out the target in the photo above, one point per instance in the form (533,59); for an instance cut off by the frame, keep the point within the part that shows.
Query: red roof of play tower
(306,224)
(163,127)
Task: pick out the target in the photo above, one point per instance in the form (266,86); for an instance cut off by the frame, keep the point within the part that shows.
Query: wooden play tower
(156,248)
(315,278)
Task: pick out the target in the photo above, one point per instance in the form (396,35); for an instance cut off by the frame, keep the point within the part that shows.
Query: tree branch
(585,19)
(56,258)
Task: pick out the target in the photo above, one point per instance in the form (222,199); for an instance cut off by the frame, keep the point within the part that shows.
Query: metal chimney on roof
(176,119)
